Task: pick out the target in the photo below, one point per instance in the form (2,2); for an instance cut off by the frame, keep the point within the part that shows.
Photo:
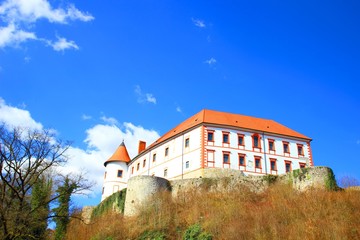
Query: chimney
(142,146)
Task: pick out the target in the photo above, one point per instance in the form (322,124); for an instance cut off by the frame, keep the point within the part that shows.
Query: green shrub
(194,232)
(115,202)
(330,182)
(152,235)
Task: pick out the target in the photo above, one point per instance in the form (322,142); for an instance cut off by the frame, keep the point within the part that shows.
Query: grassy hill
(277,213)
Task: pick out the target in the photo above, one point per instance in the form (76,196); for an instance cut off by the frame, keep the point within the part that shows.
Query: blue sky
(98,72)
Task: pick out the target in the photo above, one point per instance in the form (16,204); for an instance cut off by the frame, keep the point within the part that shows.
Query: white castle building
(212,139)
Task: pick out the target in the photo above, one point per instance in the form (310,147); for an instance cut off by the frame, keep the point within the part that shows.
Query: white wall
(112,183)
(234,149)
(175,161)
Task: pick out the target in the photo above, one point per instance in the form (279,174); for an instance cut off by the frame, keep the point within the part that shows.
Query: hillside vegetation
(277,213)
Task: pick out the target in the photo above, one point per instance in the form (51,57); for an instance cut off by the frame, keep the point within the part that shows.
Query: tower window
(119,173)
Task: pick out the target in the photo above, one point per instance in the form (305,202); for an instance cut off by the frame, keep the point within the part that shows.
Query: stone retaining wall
(140,188)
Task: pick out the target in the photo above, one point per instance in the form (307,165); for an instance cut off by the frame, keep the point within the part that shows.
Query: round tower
(116,172)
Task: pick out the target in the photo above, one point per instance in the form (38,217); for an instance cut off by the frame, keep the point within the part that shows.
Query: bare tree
(26,158)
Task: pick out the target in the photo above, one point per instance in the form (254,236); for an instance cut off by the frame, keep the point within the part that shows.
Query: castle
(207,140)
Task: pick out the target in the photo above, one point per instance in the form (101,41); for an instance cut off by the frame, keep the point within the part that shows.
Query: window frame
(273,160)
(272,141)
(302,165)
(257,158)
(227,135)
(211,132)
(138,166)
(302,149)
(121,173)
(187,164)
(226,153)
(166,151)
(241,136)
(144,163)
(287,144)
(165,172)
(258,140)
(244,156)
(154,157)
(187,142)
(290,163)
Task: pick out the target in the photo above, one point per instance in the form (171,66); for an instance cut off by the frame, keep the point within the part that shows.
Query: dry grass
(278,213)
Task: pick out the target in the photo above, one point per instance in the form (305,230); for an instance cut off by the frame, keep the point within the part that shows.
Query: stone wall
(140,188)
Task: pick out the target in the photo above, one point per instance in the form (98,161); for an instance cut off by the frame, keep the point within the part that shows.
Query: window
(256,141)
(165,172)
(302,165)
(187,142)
(286,147)
(241,159)
(257,162)
(166,151)
(119,173)
(300,150)
(105,175)
(240,139)
(132,170)
(225,137)
(154,157)
(273,164)
(271,145)
(226,157)
(138,166)
(144,163)
(287,166)
(210,136)
(187,164)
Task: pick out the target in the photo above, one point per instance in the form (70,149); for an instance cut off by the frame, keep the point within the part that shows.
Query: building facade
(212,139)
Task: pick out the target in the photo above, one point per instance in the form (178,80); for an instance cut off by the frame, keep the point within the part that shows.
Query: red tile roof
(231,120)
(121,155)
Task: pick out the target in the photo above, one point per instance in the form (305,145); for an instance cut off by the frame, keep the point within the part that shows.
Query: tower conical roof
(120,155)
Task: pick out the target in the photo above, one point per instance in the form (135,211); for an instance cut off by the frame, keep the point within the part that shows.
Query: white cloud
(21,15)
(199,23)
(86,117)
(11,36)
(30,11)
(178,109)
(101,142)
(211,61)
(109,120)
(61,44)
(144,97)
(150,98)
(14,117)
